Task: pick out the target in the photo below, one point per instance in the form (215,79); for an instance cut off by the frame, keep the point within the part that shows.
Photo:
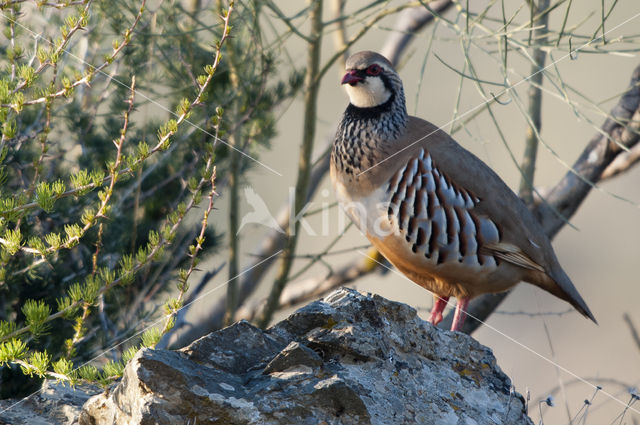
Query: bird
(437,212)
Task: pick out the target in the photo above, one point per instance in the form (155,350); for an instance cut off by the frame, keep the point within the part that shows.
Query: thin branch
(569,193)
(287,21)
(625,160)
(535,108)
(409,23)
(632,329)
(340,36)
(234,198)
(314,287)
(365,28)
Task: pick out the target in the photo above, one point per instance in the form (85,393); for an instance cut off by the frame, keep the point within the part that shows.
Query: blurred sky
(600,256)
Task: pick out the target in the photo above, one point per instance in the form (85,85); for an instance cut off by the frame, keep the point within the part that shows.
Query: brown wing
(440,219)
(496,200)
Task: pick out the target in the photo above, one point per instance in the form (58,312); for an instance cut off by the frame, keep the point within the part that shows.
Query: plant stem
(234,204)
(535,104)
(311,86)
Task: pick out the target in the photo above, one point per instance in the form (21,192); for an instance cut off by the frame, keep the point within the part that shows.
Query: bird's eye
(374,69)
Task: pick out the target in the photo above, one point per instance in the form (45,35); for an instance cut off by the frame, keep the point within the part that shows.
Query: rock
(347,359)
(55,404)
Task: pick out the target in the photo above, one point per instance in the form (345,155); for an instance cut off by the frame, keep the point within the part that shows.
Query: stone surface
(55,404)
(350,358)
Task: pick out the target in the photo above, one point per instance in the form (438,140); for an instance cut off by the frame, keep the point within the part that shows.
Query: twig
(194,249)
(409,22)
(58,5)
(625,160)
(234,199)
(287,21)
(365,28)
(340,36)
(314,287)
(632,329)
(528,164)
(569,193)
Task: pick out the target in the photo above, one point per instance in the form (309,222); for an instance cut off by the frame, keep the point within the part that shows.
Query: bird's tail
(559,284)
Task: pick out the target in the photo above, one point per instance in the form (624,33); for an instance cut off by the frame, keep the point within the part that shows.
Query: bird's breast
(367,209)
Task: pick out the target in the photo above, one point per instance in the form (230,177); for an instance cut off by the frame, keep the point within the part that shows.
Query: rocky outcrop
(350,358)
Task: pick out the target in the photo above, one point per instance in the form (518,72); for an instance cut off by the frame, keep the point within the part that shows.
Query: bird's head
(370,79)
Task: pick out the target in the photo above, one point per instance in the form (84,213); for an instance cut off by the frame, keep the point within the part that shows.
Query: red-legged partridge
(434,210)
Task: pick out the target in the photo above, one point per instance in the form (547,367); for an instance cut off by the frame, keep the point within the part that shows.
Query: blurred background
(599,254)
(455,59)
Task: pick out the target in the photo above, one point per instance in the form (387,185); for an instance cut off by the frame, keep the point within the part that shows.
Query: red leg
(460,314)
(439,303)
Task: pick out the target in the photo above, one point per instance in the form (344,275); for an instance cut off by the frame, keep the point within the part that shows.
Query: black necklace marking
(363,132)
(354,112)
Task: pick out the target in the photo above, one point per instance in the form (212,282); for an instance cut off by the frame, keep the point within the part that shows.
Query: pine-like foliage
(114,119)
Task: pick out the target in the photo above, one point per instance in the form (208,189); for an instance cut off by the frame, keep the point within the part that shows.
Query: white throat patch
(368,93)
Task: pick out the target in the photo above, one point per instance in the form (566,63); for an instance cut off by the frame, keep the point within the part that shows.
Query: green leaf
(45,196)
(54,240)
(112,370)
(129,353)
(38,363)
(36,312)
(63,367)
(7,327)
(89,373)
(11,350)
(151,337)
(13,241)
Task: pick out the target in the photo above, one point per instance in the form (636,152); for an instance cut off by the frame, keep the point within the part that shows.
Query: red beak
(351,78)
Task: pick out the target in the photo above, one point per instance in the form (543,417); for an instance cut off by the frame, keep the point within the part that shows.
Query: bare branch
(569,193)
(314,287)
(234,198)
(312,85)
(535,106)
(632,328)
(340,35)
(625,160)
(410,22)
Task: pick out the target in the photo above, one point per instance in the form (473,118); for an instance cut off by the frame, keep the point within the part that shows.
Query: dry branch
(409,23)
(569,193)
(314,287)
(632,329)
(625,160)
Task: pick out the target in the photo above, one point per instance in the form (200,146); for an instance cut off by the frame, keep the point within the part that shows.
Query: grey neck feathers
(365,132)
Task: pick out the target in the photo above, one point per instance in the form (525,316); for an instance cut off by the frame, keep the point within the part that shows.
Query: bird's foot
(439,303)
(460,314)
